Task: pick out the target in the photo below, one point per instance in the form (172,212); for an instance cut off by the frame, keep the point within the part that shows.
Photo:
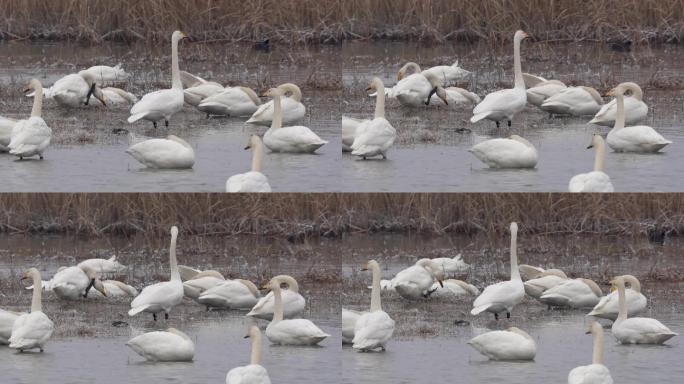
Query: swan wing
(249,374)
(506,101)
(33,132)
(372,330)
(505,293)
(248,182)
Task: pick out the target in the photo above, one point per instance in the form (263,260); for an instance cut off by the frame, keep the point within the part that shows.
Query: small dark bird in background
(658,233)
(621,46)
(263,45)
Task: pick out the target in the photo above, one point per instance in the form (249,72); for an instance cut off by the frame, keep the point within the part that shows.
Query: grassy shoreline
(334,21)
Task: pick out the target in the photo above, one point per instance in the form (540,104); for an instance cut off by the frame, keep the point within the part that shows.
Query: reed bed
(327,21)
(298,216)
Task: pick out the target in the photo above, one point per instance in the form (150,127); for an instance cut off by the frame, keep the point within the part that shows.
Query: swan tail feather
(136,117)
(479,117)
(136,310)
(480,309)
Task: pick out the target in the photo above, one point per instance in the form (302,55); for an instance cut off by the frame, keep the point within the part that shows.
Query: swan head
(174,231)
(617,282)
(178,36)
(594,327)
(30,273)
(596,140)
(254,141)
(437,88)
(625,88)
(33,85)
(520,36)
(273,92)
(293,89)
(374,84)
(95,282)
(410,65)
(369,265)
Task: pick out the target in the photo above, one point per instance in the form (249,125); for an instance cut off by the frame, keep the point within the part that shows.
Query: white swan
(74,90)
(634,108)
(200,283)
(169,153)
(451,265)
(597,180)
(162,104)
(373,329)
(574,293)
(511,344)
(415,282)
(116,289)
(596,372)
(374,137)
(254,180)
(195,94)
(233,101)
(31,137)
(349,125)
(505,295)
(456,97)
(169,345)
(546,280)
(292,107)
(114,97)
(447,74)
(32,330)
(253,373)
(417,89)
(161,297)
(541,91)
(451,288)
(636,330)
(293,302)
(511,152)
(103,266)
(7,319)
(290,331)
(528,272)
(638,138)
(231,294)
(105,74)
(574,101)
(506,103)
(6,126)
(74,282)
(608,307)
(349,318)
(292,139)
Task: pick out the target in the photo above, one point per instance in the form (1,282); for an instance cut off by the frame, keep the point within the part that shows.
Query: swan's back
(590,374)
(248,182)
(595,181)
(249,374)
(505,153)
(163,153)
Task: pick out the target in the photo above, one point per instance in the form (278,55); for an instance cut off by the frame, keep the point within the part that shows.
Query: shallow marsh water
(87,153)
(430,154)
(87,348)
(429,346)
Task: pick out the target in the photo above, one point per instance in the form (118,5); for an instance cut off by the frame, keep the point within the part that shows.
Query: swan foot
(41,350)
(40,157)
(382,348)
(498,125)
(384,157)
(208,309)
(363,157)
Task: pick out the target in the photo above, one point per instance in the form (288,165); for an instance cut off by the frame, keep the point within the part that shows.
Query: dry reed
(337,20)
(302,215)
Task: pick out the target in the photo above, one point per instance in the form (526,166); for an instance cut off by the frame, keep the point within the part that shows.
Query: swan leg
(41,349)
(166,315)
(40,156)
(154,316)
(496,316)
(509,123)
(166,123)
(364,157)
(508,315)
(155,124)
(498,125)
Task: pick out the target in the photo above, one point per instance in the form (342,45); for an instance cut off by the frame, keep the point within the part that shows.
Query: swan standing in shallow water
(290,331)
(513,152)
(505,295)
(293,302)
(253,373)
(6,126)
(511,344)
(292,108)
(506,103)
(32,330)
(415,282)
(637,330)
(165,103)
(634,107)
(293,139)
(574,101)
(373,329)
(639,138)
(574,293)
(161,297)
(31,137)
(169,153)
(232,101)
(596,181)
(254,180)
(608,307)
(374,137)
(417,89)
(169,345)
(231,294)
(596,372)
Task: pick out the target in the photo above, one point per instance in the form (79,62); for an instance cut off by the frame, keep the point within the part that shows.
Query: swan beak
(400,75)
(590,146)
(26,89)
(610,93)
(247,147)
(246,337)
(183,35)
(525,35)
(369,88)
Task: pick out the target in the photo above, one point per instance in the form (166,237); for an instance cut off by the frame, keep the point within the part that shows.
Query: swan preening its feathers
(574,101)
(417,89)
(597,180)
(608,307)
(169,345)
(254,180)
(30,137)
(596,372)
(416,282)
(447,74)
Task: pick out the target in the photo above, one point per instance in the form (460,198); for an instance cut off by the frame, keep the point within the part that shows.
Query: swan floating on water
(165,103)
(608,307)
(506,103)
(511,344)
(169,153)
(573,293)
(293,301)
(596,372)
(292,108)
(511,152)
(161,297)
(32,136)
(597,180)
(200,283)
(169,345)
(635,109)
(373,329)
(253,373)
(373,137)
(32,330)
(505,295)
(254,180)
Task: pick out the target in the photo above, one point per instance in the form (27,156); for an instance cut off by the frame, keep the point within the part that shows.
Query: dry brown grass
(301,215)
(337,20)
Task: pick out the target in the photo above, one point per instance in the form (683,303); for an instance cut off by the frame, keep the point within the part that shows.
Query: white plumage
(169,345)
(574,101)
(373,329)
(597,180)
(512,152)
(511,344)
(373,137)
(254,180)
(574,293)
(169,153)
(292,108)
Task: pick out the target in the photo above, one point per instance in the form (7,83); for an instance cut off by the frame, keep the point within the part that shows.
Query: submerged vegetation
(297,216)
(332,21)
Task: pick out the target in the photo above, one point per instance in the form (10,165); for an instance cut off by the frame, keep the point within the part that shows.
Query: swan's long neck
(175,70)
(622,303)
(37,100)
(36,301)
(175,274)
(380,100)
(278,307)
(620,119)
(375,292)
(256,347)
(515,272)
(277,113)
(598,347)
(600,154)
(517,67)
(257,155)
